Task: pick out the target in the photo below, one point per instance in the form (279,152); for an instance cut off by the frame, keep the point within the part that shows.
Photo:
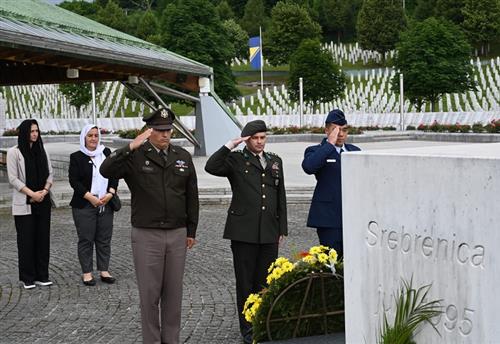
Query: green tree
(424,9)
(481,22)
(334,16)
(290,25)
(433,56)
(148,28)
(238,6)
(450,10)
(254,17)
(78,95)
(193,29)
(238,37)
(225,11)
(322,79)
(113,16)
(379,24)
(81,7)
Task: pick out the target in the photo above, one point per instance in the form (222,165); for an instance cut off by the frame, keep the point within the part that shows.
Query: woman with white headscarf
(92,214)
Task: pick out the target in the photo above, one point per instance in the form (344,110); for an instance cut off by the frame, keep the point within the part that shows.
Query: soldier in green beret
(163,184)
(257,219)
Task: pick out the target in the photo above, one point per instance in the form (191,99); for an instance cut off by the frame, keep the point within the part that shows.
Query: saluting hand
(332,136)
(232,144)
(139,140)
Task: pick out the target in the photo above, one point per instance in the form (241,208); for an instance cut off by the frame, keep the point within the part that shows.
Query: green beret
(254,127)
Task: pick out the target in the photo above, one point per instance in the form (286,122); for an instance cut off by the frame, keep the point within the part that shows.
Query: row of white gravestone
(45,101)
(373,94)
(380,120)
(341,53)
(281,121)
(353,53)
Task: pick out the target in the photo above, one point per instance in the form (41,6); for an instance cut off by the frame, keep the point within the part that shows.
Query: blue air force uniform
(324,161)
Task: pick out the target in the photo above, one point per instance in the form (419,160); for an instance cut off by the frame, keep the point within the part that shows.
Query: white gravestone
(431,214)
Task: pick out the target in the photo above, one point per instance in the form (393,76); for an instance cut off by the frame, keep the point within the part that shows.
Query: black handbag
(115,203)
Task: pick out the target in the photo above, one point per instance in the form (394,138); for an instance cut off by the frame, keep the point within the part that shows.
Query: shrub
(477,128)
(410,127)
(464,128)
(436,127)
(10,132)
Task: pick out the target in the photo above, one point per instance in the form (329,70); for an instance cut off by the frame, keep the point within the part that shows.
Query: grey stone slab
(429,215)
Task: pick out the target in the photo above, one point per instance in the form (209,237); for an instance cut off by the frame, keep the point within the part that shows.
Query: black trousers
(251,262)
(33,245)
(94,227)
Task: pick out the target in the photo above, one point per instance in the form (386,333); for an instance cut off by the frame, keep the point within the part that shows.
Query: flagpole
(261,61)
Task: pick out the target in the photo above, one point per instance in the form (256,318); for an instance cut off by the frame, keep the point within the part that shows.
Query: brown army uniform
(163,195)
(164,213)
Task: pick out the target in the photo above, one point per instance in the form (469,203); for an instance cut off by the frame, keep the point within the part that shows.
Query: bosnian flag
(255,52)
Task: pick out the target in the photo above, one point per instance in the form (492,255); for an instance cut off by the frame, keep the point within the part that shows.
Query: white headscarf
(99,149)
(98,157)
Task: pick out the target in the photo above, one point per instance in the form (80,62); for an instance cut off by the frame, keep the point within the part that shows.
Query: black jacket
(258,208)
(164,195)
(80,177)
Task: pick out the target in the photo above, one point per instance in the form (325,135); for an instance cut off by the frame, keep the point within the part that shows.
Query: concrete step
(62,196)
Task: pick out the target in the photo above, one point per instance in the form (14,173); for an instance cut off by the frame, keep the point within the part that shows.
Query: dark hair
(23,138)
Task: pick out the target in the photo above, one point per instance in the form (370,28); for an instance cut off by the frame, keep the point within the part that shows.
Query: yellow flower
(315,250)
(322,258)
(333,255)
(251,307)
(309,259)
(281,260)
(287,267)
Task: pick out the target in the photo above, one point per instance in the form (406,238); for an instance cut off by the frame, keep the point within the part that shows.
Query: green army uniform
(256,217)
(258,207)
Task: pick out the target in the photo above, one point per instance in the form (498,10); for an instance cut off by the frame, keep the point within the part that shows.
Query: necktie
(263,161)
(163,155)
(341,150)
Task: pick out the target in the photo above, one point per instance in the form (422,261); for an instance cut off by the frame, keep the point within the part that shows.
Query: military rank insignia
(181,165)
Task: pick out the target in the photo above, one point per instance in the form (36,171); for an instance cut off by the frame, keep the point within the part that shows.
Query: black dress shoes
(109,279)
(89,283)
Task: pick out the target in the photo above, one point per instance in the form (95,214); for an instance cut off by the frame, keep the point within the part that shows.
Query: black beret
(336,116)
(161,119)
(254,127)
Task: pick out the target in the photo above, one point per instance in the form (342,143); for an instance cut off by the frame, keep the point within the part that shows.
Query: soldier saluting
(257,219)
(163,185)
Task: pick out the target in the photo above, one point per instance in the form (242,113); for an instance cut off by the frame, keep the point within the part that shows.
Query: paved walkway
(69,312)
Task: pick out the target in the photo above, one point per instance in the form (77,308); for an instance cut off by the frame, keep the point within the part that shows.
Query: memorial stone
(429,215)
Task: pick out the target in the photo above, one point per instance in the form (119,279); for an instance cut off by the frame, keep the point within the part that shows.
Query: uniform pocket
(183,172)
